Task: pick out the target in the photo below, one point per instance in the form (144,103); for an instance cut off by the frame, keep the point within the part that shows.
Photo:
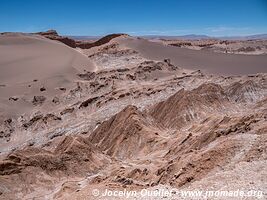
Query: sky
(135,17)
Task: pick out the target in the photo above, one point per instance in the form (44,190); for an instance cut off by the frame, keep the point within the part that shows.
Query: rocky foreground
(136,123)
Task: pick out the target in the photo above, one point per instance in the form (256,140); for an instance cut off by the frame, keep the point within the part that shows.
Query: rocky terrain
(127,121)
(247,47)
(53,35)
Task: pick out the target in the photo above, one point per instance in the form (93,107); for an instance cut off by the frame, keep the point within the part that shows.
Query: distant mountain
(259,36)
(181,37)
(249,37)
(199,37)
(186,37)
(85,37)
(194,36)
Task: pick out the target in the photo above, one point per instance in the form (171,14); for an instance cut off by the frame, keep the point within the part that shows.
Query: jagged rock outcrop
(74,155)
(127,134)
(186,106)
(53,35)
(41,119)
(247,92)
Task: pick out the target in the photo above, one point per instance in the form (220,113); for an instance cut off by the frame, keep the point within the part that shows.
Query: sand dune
(29,62)
(210,62)
(23,57)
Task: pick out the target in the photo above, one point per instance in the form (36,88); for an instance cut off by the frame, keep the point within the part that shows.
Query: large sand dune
(210,62)
(23,57)
(29,62)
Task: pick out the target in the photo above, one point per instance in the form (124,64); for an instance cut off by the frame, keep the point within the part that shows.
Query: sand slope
(211,62)
(29,62)
(23,57)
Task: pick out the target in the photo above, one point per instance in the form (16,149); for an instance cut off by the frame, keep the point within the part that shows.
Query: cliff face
(53,35)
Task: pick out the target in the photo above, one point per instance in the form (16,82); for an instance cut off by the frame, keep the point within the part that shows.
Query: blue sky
(136,17)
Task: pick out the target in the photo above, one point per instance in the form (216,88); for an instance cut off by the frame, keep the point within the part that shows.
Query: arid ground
(127,113)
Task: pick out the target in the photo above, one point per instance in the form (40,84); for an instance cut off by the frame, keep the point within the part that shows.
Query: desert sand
(125,113)
(30,62)
(210,62)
